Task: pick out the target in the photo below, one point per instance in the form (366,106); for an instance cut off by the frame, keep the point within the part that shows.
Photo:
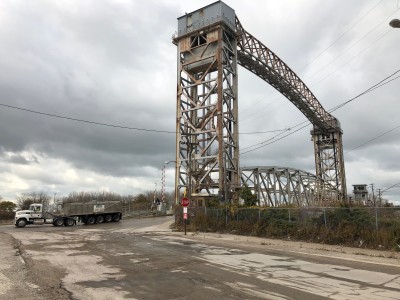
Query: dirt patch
(24,278)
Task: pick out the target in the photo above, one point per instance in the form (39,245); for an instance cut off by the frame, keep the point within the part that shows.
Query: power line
(348,61)
(337,69)
(335,41)
(355,43)
(84,121)
(117,126)
(274,138)
(392,186)
(374,87)
(377,85)
(373,139)
(355,23)
(267,131)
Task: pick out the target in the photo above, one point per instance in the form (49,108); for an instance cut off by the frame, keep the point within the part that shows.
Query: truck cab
(34,215)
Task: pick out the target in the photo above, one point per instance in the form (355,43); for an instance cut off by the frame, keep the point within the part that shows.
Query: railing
(133,211)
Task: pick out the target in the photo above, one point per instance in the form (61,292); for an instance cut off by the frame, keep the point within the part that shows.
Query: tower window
(198,40)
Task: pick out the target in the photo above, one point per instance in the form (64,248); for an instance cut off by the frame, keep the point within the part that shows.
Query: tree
(7,210)
(26,199)
(142,201)
(248,198)
(7,206)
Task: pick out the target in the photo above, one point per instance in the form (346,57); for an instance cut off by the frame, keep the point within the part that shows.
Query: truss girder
(281,186)
(260,60)
(207,140)
(327,134)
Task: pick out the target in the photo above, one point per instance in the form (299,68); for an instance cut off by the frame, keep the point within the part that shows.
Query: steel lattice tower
(211,43)
(207,151)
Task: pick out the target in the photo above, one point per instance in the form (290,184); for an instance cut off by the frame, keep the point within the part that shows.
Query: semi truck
(69,213)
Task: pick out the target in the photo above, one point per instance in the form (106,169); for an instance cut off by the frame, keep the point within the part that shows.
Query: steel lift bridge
(211,44)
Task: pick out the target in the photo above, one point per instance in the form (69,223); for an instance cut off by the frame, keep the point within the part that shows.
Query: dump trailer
(69,213)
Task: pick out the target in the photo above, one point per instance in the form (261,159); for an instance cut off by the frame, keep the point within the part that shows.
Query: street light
(395,23)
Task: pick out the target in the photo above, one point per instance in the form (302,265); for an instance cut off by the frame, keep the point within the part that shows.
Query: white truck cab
(32,216)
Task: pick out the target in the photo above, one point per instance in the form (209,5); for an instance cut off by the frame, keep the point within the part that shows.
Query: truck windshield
(35,208)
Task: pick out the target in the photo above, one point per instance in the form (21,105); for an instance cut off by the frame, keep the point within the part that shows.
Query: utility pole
(373,195)
(379,197)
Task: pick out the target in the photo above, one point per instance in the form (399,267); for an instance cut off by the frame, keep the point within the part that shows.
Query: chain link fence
(375,217)
(373,227)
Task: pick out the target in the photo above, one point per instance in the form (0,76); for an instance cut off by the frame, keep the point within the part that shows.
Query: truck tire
(90,220)
(58,222)
(69,222)
(21,223)
(100,219)
(108,218)
(116,217)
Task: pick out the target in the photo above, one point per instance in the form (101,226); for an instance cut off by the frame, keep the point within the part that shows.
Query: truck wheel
(116,217)
(90,220)
(58,222)
(21,223)
(108,218)
(99,219)
(69,222)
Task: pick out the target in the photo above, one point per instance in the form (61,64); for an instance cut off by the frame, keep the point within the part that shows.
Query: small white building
(360,192)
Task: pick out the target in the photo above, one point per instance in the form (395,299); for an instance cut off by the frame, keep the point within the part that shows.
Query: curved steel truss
(282,186)
(327,134)
(211,43)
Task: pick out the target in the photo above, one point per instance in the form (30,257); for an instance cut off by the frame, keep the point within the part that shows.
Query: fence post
(226,217)
(259,215)
(325,217)
(205,210)
(376,217)
(289,215)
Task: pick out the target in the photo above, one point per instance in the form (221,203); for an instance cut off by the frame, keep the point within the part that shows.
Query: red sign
(185,216)
(185,202)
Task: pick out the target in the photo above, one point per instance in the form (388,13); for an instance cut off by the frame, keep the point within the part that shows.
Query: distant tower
(360,192)
(207,147)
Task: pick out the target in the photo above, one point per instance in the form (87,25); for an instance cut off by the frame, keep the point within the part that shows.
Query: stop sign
(185,202)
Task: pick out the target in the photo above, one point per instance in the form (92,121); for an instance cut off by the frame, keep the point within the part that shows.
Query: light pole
(163,179)
(395,23)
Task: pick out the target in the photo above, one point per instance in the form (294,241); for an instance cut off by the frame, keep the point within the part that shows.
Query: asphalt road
(143,259)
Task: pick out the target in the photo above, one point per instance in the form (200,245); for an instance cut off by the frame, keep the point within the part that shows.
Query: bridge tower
(329,163)
(207,143)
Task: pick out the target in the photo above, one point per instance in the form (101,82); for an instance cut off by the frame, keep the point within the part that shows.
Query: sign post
(185,203)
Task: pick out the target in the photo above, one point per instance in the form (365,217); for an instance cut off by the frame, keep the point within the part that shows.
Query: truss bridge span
(283,186)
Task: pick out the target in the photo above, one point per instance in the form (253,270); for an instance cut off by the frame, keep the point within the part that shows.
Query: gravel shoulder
(22,278)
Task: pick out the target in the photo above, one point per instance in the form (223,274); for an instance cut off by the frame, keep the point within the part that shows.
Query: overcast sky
(114,62)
